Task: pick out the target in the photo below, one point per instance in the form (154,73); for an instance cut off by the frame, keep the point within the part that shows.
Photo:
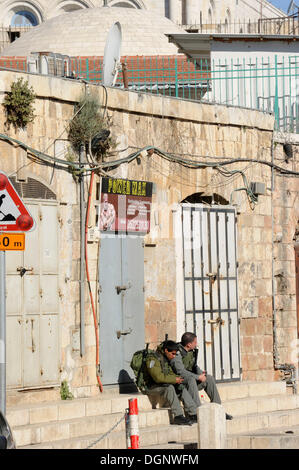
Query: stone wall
(198,131)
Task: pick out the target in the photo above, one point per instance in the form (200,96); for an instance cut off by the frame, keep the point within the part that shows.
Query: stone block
(73,409)
(268,343)
(43,414)
(151,334)
(244,442)
(26,436)
(98,407)
(82,427)
(17,417)
(211,426)
(54,432)
(265,306)
(247,344)
(249,308)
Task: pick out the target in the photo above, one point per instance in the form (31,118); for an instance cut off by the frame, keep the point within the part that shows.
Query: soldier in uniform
(161,380)
(185,364)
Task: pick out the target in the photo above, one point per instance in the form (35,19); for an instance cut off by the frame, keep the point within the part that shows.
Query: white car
(6,437)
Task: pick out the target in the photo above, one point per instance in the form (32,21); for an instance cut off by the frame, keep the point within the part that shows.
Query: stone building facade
(198,131)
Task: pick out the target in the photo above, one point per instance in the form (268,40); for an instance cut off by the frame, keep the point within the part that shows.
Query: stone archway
(127,4)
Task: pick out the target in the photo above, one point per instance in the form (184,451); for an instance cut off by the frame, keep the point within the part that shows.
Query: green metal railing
(269,84)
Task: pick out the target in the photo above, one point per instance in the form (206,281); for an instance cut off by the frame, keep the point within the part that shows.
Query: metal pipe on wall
(289,370)
(82,255)
(273,280)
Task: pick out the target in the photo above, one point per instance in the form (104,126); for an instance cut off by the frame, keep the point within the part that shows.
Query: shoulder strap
(144,354)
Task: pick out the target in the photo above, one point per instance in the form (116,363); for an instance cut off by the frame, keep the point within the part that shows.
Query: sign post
(2,334)
(16,219)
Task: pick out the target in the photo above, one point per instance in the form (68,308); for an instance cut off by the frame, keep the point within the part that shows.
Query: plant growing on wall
(18,104)
(90,128)
(65,393)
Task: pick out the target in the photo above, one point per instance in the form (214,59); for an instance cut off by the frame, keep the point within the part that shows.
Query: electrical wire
(115,163)
(186,181)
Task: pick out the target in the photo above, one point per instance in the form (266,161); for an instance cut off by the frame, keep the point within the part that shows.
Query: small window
(13,35)
(24,18)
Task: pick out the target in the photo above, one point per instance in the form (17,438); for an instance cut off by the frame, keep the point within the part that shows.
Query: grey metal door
(210,287)
(121,279)
(32,303)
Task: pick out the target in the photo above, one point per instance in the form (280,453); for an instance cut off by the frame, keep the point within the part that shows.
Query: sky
(282,4)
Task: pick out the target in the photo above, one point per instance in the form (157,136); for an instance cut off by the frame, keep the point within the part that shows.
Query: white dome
(84,33)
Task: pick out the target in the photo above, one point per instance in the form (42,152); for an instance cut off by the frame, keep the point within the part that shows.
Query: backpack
(138,367)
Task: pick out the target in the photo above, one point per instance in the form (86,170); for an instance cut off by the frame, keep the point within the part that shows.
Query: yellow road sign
(12,241)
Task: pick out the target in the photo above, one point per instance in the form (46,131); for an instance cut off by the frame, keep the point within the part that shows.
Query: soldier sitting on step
(161,380)
(184,363)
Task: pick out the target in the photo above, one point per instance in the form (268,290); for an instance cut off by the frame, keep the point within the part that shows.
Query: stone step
(15,398)
(150,437)
(154,431)
(31,396)
(257,421)
(54,423)
(61,411)
(228,391)
(81,427)
(172,446)
(34,413)
(250,405)
(237,390)
(274,438)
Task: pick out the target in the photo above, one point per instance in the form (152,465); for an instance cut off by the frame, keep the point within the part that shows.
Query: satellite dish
(111,62)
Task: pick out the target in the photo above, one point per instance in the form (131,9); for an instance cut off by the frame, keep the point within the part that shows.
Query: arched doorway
(210,284)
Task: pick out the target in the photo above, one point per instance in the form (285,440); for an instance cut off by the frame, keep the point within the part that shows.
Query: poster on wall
(125,206)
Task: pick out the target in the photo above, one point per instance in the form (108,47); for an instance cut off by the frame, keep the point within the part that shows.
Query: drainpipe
(82,252)
(289,370)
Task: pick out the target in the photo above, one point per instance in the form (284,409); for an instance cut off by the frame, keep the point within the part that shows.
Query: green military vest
(166,369)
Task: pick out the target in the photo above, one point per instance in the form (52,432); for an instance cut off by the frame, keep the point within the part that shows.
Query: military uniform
(161,380)
(185,365)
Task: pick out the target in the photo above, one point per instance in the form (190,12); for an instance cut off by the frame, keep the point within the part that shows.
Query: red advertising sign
(125,206)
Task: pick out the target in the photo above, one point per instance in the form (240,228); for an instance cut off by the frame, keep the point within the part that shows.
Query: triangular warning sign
(14,217)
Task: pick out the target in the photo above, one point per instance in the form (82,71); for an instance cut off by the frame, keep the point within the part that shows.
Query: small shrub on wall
(18,104)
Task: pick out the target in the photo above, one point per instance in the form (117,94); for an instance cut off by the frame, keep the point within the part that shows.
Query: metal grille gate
(210,287)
